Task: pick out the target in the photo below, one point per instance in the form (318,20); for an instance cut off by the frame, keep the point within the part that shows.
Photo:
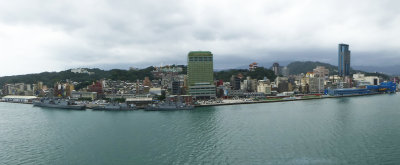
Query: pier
(244,101)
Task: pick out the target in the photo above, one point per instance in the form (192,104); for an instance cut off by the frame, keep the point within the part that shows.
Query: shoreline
(288,100)
(257,102)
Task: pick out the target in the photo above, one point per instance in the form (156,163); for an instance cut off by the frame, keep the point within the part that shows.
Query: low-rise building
(79,95)
(81,70)
(120,96)
(249,85)
(361,80)
(235,93)
(264,87)
(18,99)
(20,89)
(203,90)
(140,102)
(316,84)
(254,95)
(321,71)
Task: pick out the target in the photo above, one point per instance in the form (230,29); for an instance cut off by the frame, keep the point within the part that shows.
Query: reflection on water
(343,100)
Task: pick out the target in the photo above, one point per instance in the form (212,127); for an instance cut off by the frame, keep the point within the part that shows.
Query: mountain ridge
(49,78)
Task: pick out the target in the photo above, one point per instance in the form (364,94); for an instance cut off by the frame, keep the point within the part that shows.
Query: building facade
(276,69)
(176,88)
(316,85)
(285,71)
(249,85)
(200,73)
(343,60)
(264,87)
(321,71)
(78,95)
(235,82)
(361,80)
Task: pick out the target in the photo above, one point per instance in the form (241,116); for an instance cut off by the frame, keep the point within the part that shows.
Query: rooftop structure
(253,66)
(321,71)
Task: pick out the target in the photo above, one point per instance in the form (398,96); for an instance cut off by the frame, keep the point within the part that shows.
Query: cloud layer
(45,35)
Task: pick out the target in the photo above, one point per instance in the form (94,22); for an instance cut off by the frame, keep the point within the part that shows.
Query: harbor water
(351,130)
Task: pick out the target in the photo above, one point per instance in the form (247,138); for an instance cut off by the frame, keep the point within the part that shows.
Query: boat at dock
(115,107)
(58,103)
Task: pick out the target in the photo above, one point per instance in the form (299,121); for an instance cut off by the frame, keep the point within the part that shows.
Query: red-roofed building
(97,87)
(253,66)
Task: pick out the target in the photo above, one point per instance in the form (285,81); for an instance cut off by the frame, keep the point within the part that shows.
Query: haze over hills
(390,70)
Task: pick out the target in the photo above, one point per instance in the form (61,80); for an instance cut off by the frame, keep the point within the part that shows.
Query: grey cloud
(149,32)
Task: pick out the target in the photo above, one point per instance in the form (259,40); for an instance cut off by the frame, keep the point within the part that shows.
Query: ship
(58,103)
(162,106)
(116,107)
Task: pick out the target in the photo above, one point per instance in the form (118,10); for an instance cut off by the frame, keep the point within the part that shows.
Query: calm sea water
(357,130)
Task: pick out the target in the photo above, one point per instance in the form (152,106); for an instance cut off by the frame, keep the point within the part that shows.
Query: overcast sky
(48,35)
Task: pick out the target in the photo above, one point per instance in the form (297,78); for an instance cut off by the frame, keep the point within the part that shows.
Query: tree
(260,72)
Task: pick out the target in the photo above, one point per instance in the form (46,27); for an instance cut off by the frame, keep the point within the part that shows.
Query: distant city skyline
(36,37)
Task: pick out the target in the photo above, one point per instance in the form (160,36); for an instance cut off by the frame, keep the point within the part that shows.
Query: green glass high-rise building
(200,74)
(200,67)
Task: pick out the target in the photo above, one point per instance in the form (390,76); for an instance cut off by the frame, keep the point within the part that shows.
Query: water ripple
(331,131)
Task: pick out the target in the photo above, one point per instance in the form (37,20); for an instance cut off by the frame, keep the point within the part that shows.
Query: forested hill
(49,78)
(258,74)
(299,67)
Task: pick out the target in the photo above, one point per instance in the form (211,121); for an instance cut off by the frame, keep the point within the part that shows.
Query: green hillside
(259,74)
(49,78)
(299,67)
